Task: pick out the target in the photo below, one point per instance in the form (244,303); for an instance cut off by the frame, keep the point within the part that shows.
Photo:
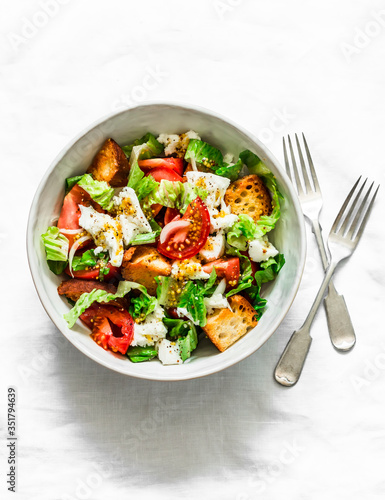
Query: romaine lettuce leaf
(146,186)
(241,232)
(162,290)
(192,298)
(87,299)
(56,247)
(256,166)
(269,272)
(70,182)
(230,171)
(174,195)
(99,191)
(151,147)
(142,305)
(186,335)
(138,354)
(204,153)
(143,148)
(88,259)
(145,238)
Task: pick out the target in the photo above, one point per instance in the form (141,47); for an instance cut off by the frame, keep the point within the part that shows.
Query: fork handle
(340,325)
(290,364)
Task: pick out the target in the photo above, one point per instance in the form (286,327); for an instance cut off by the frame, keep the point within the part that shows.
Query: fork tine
(295,169)
(287,166)
(366,217)
(311,165)
(353,225)
(304,172)
(346,202)
(347,220)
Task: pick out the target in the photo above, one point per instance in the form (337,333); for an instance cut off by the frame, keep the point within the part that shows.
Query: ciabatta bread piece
(224,327)
(249,196)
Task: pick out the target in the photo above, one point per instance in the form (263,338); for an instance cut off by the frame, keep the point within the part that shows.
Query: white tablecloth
(276,68)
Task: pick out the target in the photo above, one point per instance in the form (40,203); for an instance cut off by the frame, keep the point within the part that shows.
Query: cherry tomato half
(170,214)
(112,328)
(70,212)
(175,164)
(93,273)
(194,238)
(228,269)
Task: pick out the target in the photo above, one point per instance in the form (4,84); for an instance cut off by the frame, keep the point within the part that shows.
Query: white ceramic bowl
(124,127)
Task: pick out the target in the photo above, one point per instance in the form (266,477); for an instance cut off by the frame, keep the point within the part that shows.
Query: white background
(275,67)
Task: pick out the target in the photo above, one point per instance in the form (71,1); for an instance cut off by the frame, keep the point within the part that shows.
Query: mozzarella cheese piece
(215,185)
(169,352)
(106,232)
(221,220)
(130,215)
(150,330)
(182,311)
(189,269)
(216,301)
(214,247)
(261,249)
(175,143)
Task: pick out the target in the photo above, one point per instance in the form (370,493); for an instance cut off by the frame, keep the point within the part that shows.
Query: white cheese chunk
(221,221)
(169,352)
(190,269)
(150,330)
(106,232)
(214,247)
(261,249)
(216,301)
(215,185)
(177,144)
(130,215)
(182,311)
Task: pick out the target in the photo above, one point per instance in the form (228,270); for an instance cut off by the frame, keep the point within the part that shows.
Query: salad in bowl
(164,241)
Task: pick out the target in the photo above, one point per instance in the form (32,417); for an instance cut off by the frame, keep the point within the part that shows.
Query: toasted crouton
(249,196)
(110,165)
(225,327)
(142,264)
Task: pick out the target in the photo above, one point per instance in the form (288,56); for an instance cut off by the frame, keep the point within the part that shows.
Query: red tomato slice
(159,173)
(170,214)
(70,212)
(112,328)
(193,239)
(228,269)
(175,164)
(93,273)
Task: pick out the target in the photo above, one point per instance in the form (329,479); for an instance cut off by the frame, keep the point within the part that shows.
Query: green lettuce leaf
(192,298)
(99,191)
(146,186)
(185,333)
(87,299)
(142,305)
(162,290)
(230,171)
(145,238)
(56,247)
(204,154)
(174,195)
(246,277)
(70,182)
(269,272)
(89,259)
(256,166)
(241,232)
(138,354)
(151,147)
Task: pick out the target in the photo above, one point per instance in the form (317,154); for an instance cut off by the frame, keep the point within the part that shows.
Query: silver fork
(340,325)
(343,238)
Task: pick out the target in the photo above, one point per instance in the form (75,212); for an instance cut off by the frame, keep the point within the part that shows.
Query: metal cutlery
(340,325)
(342,241)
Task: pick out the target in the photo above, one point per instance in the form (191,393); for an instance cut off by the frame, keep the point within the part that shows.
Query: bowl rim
(45,299)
